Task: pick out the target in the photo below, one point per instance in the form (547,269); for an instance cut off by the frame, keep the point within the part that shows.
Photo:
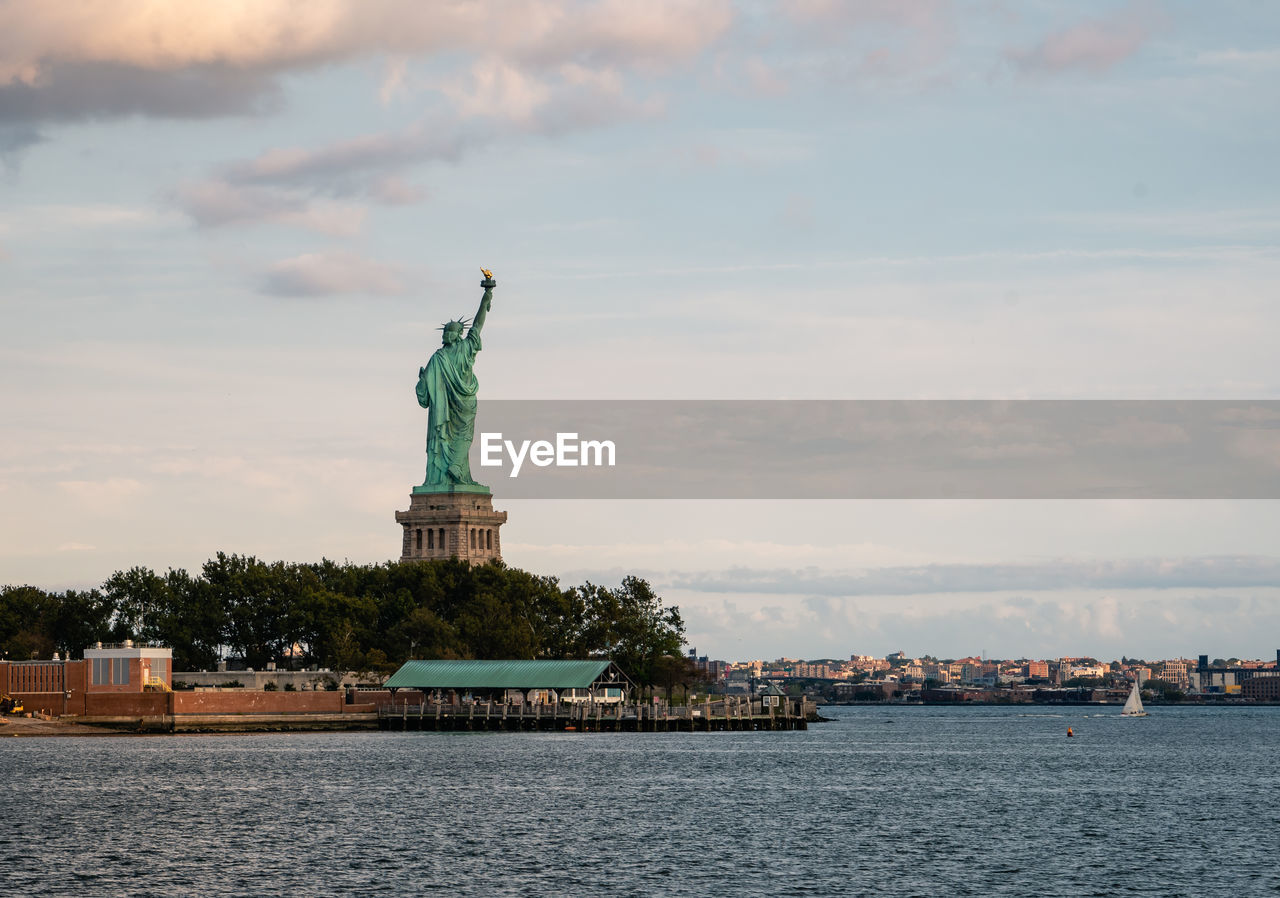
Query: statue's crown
(456,325)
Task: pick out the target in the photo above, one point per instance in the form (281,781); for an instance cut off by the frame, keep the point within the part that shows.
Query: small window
(120,672)
(488,539)
(419,542)
(441,544)
(431,539)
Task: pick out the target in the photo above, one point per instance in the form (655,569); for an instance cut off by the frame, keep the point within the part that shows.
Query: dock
(721,715)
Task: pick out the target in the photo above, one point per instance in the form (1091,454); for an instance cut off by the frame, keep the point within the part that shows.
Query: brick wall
(123,704)
(256,702)
(42,702)
(41,686)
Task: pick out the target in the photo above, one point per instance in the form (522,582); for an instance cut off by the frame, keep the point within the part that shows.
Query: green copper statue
(447,390)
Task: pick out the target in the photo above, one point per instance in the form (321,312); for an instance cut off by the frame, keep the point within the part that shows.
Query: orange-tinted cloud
(1093,46)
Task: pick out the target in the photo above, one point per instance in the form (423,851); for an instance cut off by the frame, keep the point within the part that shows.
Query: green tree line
(349,617)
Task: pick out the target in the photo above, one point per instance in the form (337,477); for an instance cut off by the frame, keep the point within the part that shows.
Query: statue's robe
(447,389)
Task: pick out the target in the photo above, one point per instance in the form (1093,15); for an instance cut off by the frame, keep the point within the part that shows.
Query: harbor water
(882,800)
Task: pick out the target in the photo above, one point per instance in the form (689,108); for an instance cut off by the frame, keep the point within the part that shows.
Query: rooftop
(441,674)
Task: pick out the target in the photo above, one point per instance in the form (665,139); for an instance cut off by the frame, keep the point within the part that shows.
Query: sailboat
(1133,707)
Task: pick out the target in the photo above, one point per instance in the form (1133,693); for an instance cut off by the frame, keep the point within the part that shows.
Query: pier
(720,715)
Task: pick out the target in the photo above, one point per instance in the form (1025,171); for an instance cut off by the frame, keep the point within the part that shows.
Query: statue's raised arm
(486,301)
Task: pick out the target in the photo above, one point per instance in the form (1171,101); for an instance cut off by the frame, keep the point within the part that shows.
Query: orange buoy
(1069,733)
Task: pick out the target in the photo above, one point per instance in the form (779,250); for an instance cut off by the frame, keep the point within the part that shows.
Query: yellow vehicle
(10,705)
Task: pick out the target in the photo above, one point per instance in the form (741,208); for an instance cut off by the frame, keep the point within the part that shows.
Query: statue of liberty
(447,390)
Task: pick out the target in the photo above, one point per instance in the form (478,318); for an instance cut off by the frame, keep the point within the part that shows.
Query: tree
(629,625)
(671,671)
(193,623)
(424,634)
(265,618)
(79,619)
(353,617)
(26,622)
(1084,682)
(138,596)
(1165,690)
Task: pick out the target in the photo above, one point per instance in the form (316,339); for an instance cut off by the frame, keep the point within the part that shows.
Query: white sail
(1133,707)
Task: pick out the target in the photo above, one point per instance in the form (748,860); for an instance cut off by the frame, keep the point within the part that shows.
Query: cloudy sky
(228,232)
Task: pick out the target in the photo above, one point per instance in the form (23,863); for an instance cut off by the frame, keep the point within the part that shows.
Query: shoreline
(35,727)
(1043,704)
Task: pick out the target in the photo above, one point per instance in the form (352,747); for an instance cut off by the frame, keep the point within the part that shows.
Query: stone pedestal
(453,524)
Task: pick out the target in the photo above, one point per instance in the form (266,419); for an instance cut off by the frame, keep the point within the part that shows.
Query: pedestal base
(452,488)
(451,525)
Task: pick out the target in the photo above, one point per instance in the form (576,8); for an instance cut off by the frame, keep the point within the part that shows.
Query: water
(900,801)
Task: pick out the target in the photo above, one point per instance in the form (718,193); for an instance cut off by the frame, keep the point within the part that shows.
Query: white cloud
(535,66)
(827,14)
(495,101)
(394,79)
(113,488)
(101,497)
(1251,60)
(165,35)
(215,202)
(495,88)
(1092,46)
(331,273)
(938,579)
(176,59)
(874,41)
(1104,626)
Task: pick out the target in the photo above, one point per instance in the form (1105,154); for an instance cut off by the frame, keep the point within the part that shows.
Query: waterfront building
(128,668)
(59,687)
(1230,679)
(1263,686)
(497,677)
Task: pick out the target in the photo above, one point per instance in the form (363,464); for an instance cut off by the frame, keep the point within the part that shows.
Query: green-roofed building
(498,676)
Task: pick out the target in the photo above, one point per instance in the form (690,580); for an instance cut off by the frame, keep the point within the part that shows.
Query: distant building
(1263,686)
(714,671)
(1095,671)
(127,667)
(1211,680)
(1176,673)
(812,671)
(939,672)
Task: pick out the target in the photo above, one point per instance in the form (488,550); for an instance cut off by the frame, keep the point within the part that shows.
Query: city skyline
(228,237)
